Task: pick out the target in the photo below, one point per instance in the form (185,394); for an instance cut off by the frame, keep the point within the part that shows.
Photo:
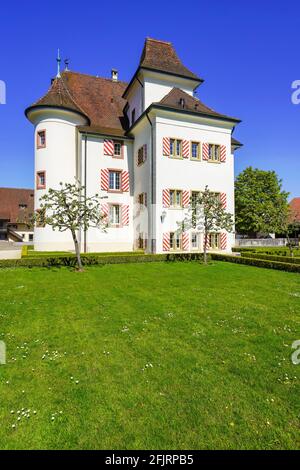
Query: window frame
(175,155)
(40,222)
(212,160)
(197,234)
(110,206)
(176,237)
(217,246)
(113,170)
(38,175)
(121,156)
(38,139)
(198,158)
(176,192)
(141,151)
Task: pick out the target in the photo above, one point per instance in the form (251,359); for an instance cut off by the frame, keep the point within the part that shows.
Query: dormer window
(22,206)
(41,139)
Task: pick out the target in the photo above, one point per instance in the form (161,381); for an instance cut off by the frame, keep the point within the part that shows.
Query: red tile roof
(161,56)
(99,99)
(179,99)
(295,209)
(10,199)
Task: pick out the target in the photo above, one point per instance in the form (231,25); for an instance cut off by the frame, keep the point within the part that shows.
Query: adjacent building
(146,146)
(16,210)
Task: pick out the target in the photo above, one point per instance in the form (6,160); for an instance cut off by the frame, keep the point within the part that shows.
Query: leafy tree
(206,214)
(260,203)
(68,209)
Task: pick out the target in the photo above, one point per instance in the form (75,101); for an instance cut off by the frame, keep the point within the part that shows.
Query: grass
(166,356)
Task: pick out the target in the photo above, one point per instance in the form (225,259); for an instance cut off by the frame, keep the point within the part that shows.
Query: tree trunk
(77,251)
(205,248)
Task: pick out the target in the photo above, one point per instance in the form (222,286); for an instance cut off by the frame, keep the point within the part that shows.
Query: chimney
(114,75)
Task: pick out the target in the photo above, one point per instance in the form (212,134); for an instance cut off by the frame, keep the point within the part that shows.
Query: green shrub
(280,251)
(260,263)
(94,259)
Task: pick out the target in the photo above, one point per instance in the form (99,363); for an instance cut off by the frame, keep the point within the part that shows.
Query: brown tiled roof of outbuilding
(161,56)
(179,99)
(295,209)
(10,199)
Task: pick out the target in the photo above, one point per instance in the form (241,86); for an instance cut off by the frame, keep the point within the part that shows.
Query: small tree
(68,208)
(206,214)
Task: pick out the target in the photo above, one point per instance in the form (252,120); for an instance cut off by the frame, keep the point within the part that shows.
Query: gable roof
(98,99)
(10,199)
(161,56)
(295,209)
(179,99)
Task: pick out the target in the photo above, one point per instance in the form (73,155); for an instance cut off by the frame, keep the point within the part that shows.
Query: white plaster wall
(135,101)
(118,238)
(155,89)
(191,175)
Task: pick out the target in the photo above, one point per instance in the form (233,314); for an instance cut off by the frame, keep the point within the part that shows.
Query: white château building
(146,145)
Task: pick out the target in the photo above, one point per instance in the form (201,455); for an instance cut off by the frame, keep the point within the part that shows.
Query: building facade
(146,147)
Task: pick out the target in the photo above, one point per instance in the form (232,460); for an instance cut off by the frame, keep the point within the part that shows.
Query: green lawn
(152,355)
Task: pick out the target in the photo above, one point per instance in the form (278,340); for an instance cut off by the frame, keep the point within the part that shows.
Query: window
(214,240)
(195,151)
(114,214)
(142,199)
(175,198)
(115,180)
(132,116)
(175,241)
(142,242)
(142,155)
(41,180)
(22,206)
(195,241)
(117,149)
(41,139)
(213,153)
(40,219)
(175,148)
(30,238)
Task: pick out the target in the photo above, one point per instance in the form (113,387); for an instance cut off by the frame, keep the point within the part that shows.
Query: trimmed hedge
(89,260)
(282,259)
(260,263)
(280,251)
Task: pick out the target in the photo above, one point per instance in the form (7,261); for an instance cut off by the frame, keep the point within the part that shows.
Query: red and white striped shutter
(205,151)
(166,197)
(166,241)
(108,147)
(206,242)
(185,241)
(104,211)
(186,149)
(166,146)
(185,198)
(223,154)
(145,152)
(223,241)
(223,200)
(104,179)
(125,214)
(125,181)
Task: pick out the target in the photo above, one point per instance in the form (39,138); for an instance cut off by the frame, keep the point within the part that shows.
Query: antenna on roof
(58,60)
(66,61)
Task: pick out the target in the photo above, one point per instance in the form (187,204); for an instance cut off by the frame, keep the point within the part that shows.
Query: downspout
(85,179)
(150,231)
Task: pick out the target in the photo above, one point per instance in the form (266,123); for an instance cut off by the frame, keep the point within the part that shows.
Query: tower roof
(161,56)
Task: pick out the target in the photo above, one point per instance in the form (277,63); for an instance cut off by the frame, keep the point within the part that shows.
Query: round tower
(56,143)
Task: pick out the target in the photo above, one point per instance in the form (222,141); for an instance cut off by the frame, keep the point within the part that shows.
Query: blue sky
(247,52)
